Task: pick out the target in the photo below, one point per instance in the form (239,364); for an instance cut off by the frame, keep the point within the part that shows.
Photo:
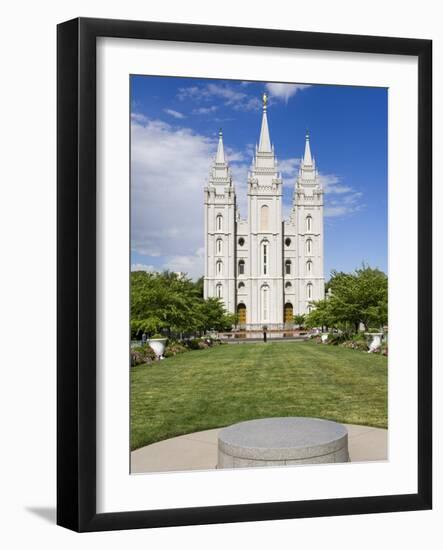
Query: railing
(271,333)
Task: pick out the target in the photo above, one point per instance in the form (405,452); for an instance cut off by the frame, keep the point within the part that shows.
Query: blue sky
(174,129)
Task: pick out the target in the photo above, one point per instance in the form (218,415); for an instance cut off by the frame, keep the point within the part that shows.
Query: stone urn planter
(158,346)
(374,341)
(324,338)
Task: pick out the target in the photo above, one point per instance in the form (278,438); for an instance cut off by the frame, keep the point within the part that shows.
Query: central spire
(265,141)
(307,159)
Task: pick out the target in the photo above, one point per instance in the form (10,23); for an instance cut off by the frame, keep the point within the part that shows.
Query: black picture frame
(76,264)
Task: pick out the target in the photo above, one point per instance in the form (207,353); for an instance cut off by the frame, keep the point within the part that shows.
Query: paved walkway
(198,451)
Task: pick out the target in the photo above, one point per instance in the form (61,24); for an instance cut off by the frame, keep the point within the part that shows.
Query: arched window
(265,257)
(308,224)
(219,267)
(219,290)
(241,285)
(241,267)
(288,241)
(309,291)
(219,246)
(241,241)
(288,285)
(219,222)
(264,218)
(309,266)
(309,308)
(309,246)
(265,303)
(288,267)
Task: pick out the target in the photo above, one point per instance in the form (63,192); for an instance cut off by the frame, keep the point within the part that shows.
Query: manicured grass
(205,389)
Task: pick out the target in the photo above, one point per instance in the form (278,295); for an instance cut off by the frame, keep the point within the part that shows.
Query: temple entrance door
(288,313)
(288,317)
(241,312)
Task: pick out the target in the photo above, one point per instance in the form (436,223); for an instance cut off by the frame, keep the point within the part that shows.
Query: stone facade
(264,268)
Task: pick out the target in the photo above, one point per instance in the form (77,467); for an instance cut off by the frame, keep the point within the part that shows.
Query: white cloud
(169,169)
(340,199)
(282,91)
(142,267)
(230,95)
(205,110)
(289,167)
(333,185)
(139,118)
(192,264)
(175,114)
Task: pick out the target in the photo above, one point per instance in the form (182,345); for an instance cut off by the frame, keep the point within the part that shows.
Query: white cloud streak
(175,114)
(229,95)
(205,110)
(340,199)
(284,92)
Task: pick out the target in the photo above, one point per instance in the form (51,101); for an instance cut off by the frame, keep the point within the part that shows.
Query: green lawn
(205,389)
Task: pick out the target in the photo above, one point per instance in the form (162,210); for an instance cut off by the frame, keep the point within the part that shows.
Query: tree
(199,286)
(299,320)
(358,297)
(214,315)
(320,315)
(166,301)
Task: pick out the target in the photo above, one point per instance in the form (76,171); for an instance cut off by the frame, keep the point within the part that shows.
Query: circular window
(241,241)
(288,242)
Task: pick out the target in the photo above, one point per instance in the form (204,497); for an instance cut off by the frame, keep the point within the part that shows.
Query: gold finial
(265,100)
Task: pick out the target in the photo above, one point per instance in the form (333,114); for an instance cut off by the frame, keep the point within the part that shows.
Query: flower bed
(143,354)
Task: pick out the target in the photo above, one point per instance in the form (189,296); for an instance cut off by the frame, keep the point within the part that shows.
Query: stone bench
(282,441)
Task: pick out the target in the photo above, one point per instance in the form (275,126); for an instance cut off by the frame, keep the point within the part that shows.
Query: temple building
(264,268)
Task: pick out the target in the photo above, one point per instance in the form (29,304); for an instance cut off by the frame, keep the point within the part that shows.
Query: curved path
(198,451)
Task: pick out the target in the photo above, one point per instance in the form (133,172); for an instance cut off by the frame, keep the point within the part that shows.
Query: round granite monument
(282,441)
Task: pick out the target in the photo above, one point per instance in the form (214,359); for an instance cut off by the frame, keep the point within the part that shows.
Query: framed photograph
(244,274)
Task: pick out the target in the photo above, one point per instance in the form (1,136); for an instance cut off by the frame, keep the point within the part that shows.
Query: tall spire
(220,174)
(307,159)
(265,141)
(220,157)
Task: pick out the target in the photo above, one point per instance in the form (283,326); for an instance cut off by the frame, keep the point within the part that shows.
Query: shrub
(174,348)
(193,343)
(142,355)
(360,345)
(335,339)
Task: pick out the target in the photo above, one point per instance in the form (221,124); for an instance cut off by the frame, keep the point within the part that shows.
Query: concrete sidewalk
(198,451)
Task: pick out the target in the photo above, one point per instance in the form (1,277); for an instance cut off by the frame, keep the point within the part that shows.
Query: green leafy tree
(299,320)
(214,316)
(199,286)
(358,297)
(172,303)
